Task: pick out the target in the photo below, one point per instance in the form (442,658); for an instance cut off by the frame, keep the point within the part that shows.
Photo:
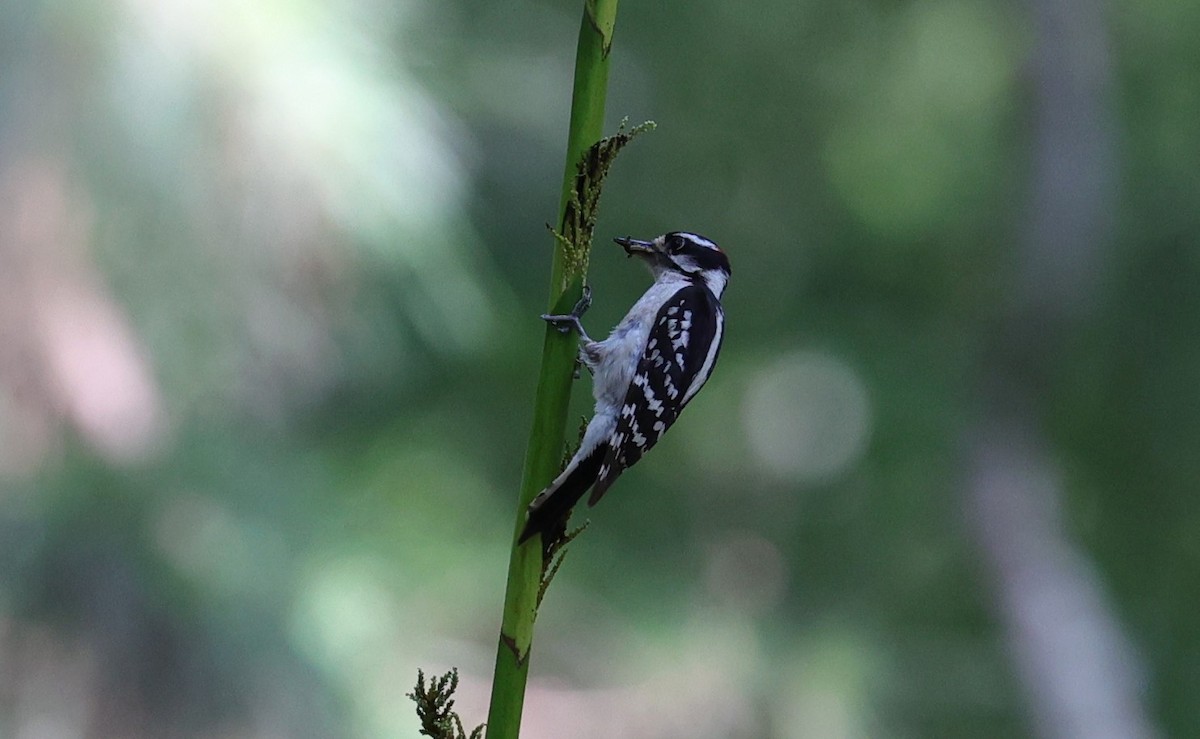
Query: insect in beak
(635,246)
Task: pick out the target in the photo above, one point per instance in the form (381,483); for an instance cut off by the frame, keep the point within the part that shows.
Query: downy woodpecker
(654,362)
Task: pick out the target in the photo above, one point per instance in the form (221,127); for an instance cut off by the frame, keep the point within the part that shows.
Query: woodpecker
(650,366)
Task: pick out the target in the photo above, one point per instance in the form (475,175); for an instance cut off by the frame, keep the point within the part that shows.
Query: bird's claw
(564,323)
(584,302)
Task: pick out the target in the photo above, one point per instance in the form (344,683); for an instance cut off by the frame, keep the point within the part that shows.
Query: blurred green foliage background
(269,278)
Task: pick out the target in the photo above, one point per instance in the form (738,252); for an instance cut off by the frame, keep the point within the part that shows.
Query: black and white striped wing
(679,356)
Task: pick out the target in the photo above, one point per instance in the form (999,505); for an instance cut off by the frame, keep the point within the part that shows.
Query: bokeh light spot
(807,416)
(923,136)
(746,571)
(343,614)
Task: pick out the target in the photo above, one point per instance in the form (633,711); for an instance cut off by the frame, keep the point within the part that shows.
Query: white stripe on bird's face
(685,263)
(697,239)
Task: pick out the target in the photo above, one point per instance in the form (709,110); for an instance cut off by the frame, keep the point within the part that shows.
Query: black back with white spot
(677,349)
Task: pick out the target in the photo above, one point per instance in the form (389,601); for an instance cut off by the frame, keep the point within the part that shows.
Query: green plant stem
(544,452)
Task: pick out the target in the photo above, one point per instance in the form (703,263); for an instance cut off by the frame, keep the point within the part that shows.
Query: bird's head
(683,253)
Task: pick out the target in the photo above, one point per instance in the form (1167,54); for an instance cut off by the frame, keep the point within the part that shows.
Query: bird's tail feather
(551,506)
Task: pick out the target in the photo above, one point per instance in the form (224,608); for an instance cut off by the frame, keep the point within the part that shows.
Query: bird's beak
(635,246)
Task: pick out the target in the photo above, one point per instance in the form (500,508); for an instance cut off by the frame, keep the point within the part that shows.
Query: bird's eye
(675,244)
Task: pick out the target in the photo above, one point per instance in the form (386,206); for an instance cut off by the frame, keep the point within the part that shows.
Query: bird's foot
(564,323)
